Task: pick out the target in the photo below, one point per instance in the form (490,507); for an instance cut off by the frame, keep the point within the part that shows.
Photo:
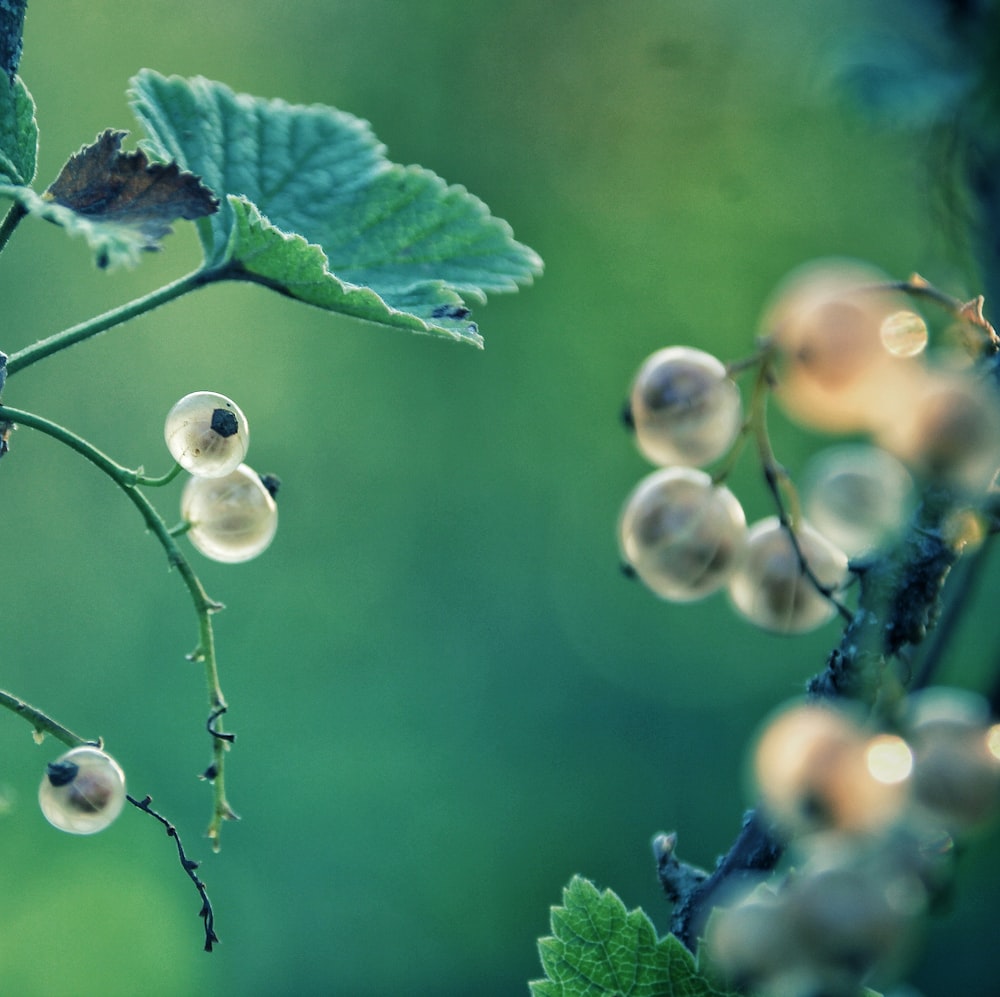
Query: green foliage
(310,206)
(599,948)
(313,209)
(18,132)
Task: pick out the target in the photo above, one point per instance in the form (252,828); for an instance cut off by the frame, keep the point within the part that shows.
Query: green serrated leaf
(301,269)
(598,948)
(18,132)
(312,208)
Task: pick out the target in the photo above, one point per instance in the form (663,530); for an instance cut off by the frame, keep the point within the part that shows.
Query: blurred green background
(448,699)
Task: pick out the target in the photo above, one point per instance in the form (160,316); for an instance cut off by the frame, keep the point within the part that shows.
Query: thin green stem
(12,219)
(42,722)
(761,358)
(123,476)
(101,323)
(204,606)
(163,479)
(780,485)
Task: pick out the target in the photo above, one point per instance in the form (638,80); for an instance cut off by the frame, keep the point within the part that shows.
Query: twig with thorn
(188,865)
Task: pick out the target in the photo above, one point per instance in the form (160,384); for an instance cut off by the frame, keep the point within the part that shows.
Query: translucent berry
(956,769)
(83,791)
(950,433)
(769,586)
(816,769)
(837,371)
(681,534)
(847,919)
(207,434)
(684,407)
(857,496)
(232,518)
(750,941)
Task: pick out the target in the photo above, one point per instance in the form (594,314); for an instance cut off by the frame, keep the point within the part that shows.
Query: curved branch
(204,606)
(44,724)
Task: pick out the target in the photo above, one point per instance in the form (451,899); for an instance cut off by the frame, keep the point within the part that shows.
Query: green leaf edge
(18,121)
(355,300)
(581,896)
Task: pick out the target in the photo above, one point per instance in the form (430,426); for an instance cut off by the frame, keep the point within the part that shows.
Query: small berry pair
(231,510)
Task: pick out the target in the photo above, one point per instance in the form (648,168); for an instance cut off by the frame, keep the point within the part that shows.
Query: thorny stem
(44,724)
(204,606)
(967,311)
(188,865)
(754,853)
(969,573)
(898,604)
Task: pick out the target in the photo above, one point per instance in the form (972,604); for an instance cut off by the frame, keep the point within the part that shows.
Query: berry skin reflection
(83,791)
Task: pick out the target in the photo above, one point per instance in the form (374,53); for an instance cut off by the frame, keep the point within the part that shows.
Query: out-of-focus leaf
(314,209)
(18,132)
(898,83)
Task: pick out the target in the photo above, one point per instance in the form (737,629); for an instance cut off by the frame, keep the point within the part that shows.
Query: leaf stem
(11,220)
(101,323)
(204,606)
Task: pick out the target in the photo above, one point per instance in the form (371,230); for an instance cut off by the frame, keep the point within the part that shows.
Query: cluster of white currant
(842,353)
(684,534)
(230,509)
(231,516)
(873,818)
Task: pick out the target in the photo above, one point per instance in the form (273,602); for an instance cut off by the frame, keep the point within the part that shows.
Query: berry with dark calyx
(83,791)
(683,407)
(949,433)
(681,534)
(207,434)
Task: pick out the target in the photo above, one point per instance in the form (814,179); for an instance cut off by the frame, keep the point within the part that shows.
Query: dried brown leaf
(103,183)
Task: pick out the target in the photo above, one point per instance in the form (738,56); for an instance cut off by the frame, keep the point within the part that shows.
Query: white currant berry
(233,518)
(815,768)
(769,586)
(956,769)
(949,433)
(83,791)
(681,534)
(684,407)
(836,370)
(857,496)
(207,434)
